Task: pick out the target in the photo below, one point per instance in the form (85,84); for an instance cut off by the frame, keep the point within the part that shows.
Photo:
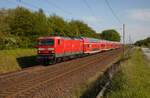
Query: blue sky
(135,14)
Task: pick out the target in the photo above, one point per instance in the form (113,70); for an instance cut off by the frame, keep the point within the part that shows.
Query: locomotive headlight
(50,48)
(41,49)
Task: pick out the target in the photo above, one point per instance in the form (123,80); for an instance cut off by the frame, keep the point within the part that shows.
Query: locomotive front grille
(45,56)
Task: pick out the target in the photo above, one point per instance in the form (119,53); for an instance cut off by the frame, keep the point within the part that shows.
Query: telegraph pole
(123,30)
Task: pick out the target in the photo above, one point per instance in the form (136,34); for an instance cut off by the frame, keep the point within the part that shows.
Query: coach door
(88,47)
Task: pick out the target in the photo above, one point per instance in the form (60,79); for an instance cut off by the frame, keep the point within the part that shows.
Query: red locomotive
(52,49)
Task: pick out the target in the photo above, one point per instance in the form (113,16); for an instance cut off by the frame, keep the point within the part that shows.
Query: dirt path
(146,52)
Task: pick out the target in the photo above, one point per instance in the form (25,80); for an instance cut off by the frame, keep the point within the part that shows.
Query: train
(56,48)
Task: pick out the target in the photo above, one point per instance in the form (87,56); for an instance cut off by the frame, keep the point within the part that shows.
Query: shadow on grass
(96,87)
(27,61)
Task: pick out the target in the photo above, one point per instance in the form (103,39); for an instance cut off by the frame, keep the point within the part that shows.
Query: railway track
(26,75)
(30,81)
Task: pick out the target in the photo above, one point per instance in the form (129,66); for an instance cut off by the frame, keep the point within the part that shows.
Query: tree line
(20,28)
(145,42)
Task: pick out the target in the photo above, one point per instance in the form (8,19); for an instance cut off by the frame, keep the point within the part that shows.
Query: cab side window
(58,41)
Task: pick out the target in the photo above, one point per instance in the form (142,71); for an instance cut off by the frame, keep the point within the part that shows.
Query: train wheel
(45,61)
(58,60)
(52,61)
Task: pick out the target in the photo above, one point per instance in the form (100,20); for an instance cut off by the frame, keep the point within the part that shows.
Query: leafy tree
(40,25)
(111,35)
(145,42)
(20,28)
(79,28)
(58,24)
(6,39)
(22,25)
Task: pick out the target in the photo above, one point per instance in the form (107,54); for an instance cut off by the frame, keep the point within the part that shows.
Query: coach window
(88,46)
(58,41)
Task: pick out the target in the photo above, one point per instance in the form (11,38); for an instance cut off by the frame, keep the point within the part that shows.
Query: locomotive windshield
(46,42)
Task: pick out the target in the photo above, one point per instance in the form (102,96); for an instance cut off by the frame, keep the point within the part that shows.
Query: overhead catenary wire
(58,7)
(28,4)
(15,3)
(117,18)
(31,5)
(89,7)
(11,2)
(36,7)
(112,11)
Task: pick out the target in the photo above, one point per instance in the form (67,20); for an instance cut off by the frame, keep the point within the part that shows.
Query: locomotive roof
(94,40)
(70,38)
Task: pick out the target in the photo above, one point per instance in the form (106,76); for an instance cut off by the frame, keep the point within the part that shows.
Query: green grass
(133,81)
(91,87)
(11,60)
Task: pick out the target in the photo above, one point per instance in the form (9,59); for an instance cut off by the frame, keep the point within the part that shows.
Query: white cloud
(140,14)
